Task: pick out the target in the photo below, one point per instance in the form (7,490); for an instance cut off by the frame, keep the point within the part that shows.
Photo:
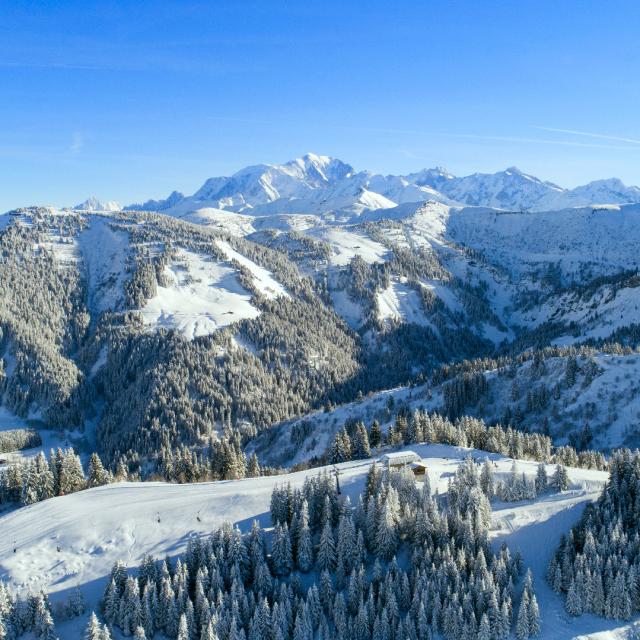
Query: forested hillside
(139,333)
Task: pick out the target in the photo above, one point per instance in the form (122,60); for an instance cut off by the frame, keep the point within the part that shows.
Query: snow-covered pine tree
(560,478)
(326,554)
(304,547)
(360,442)
(486,479)
(71,477)
(93,630)
(97,474)
(541,478)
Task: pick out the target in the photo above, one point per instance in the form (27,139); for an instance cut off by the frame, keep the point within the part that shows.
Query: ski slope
(74,540)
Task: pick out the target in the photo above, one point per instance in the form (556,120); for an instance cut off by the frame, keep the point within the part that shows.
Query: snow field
(263,280)
(202,296)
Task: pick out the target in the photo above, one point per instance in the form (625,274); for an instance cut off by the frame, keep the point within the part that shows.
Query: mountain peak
(93,204)
(321,184)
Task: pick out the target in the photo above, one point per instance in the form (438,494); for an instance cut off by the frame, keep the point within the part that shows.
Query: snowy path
(535,529)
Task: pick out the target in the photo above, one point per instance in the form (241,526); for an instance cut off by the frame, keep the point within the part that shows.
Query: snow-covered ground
(104,252)
(200,296)
(400,302)
(347,308)
(74,540)
(346,244)
(263,280)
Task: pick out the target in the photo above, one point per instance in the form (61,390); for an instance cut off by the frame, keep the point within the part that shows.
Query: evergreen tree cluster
(398,566)
(223,459)
(518,486)
(39,478)
(23,615)
(17,439)
(598,562)
(422,427)
(43,319)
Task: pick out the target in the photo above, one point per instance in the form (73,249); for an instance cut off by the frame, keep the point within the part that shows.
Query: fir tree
(326,555)
(560,478)
(93,630)
(541,478)
(97,475)
(375,434)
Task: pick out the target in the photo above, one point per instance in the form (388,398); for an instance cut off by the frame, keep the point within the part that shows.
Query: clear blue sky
(131,100)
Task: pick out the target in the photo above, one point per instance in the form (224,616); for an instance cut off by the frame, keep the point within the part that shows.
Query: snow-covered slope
(198,296)
(605,398)
(74,540)
(104,252)
(602,238)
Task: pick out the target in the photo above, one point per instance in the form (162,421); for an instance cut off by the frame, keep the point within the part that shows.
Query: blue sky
(130,100)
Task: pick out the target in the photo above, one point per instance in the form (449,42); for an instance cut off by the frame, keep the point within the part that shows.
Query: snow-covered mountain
(326,186)
(509,189)
(158,205)
(93,204)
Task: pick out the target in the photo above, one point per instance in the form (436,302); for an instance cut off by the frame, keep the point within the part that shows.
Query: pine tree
(484,631)
(560,479)
(375,435)
(253,466)
(534,616)
(573,603)
(43,626)
(541,478)
(93,630)
(341,450)
(97,475)
(326,555)
(361,446)
(486,479)
(71,474)
(386,541)
(209,632)
(304,550)
(281,551)
(183,629)
(139,633)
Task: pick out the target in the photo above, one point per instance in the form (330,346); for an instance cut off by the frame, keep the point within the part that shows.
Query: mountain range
(316,184)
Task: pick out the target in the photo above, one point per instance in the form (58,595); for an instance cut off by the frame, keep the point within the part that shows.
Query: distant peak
(316,159)
(93,204)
